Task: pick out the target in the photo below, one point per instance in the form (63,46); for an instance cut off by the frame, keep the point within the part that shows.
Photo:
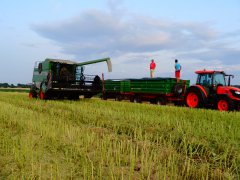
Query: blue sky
(201,34)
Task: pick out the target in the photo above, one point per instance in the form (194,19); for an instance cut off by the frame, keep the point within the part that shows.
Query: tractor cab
(211,78)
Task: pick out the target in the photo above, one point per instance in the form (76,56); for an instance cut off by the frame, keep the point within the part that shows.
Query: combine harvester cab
(58,79)
(211,90)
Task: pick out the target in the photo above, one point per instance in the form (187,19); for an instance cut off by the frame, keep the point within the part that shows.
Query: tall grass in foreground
(94,139)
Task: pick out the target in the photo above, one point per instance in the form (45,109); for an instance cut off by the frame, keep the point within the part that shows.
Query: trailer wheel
(225,104)
(193,99)
(118,98)
(74,97)
(136,99)
(161,101)
(104,97)
(87,96)
(179,103)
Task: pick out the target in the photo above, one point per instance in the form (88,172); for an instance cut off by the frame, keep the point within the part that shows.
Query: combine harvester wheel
(42,95)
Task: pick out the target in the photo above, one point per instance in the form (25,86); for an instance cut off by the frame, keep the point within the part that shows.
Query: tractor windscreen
(219,79)
(204,79)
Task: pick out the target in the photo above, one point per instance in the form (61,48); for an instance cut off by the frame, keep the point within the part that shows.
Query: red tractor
(211,90)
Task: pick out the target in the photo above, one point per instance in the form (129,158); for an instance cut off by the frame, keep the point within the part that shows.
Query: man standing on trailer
(178,69)
(152,68)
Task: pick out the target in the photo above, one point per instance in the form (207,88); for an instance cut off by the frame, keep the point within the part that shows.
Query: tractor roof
(207,72)
(61,61)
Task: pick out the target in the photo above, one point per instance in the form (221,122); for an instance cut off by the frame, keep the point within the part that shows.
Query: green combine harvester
(59,79)
(154,90)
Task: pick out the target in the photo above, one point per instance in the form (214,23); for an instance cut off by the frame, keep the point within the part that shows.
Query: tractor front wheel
(225,104)
(193,99)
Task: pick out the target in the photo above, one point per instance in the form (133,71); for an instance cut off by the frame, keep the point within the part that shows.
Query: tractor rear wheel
(194,99)
(225,104)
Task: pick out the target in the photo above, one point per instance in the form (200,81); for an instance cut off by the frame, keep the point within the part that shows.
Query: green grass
(23,90)
(94,139)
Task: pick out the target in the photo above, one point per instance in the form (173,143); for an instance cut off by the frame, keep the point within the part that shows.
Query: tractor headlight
(237,92)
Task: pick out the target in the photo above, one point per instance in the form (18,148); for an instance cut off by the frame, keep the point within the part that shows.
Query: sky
(201,34)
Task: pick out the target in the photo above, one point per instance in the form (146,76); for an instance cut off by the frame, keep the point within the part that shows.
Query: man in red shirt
(152,68)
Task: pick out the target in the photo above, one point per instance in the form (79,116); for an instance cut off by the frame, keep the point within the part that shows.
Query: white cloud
(99,32)
(132,40)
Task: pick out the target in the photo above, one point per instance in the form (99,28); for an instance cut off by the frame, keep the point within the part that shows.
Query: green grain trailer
(57,78)
(155,90)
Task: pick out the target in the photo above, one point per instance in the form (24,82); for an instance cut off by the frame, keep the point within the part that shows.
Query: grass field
(94,139)
(14,90)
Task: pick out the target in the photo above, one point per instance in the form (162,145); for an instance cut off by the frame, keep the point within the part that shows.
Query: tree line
(6,85)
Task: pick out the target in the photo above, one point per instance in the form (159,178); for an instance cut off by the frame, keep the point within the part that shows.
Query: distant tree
(5,85)
(23,85)
(19,85)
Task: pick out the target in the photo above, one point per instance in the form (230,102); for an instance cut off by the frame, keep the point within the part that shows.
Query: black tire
(73,97)
(104,97)
(178,89)
(131,98)
(118,98)
(194,98)
(88,96)
(60,96)
(225,104)
(152,101)
(178,103)
(33,92)
(97,83)
(161,101)
(136,99)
